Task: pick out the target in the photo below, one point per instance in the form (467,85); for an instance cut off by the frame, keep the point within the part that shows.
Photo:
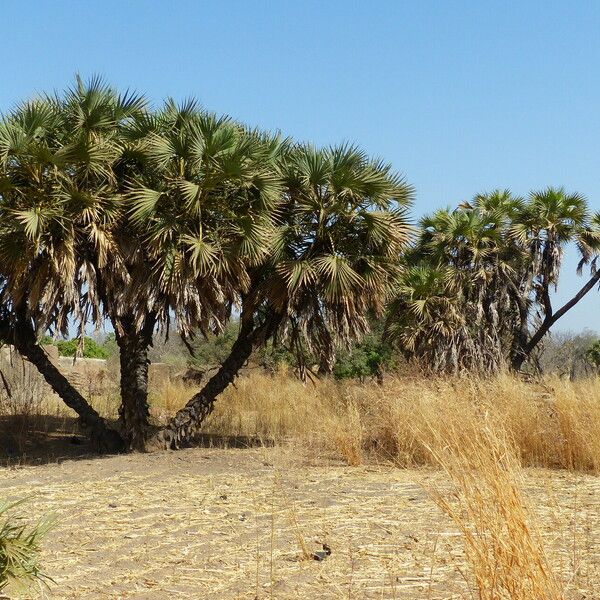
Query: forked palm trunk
(184,425)
(518,360)
(105,438)
(134,412)
(550,319)
(182,428)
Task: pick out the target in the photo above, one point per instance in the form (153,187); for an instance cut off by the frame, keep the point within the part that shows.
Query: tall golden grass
(502,546)
(554,424)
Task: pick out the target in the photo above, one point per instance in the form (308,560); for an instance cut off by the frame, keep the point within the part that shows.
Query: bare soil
(244,523)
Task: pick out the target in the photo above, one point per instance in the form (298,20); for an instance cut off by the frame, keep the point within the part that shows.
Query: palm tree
(57,206)
(201,203)
(550,221)
(340,228)
(135,216)
(424,317)
(500,255)
(450,306)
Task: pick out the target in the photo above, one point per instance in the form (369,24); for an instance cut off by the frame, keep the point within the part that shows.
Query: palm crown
(201,202)
(339,233)
(59,201)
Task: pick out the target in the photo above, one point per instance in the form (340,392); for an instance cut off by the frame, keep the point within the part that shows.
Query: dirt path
(235,523)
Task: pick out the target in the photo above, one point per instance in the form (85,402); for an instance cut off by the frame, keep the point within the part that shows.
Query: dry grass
(551,424)
(480,434)
(504,551)
(231,524)
(554,424)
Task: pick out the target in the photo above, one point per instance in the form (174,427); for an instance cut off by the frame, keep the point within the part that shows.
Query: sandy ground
(235,523)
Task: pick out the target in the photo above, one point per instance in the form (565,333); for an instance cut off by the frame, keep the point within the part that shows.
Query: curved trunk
(550,319)
(185,424)
(134,412)
(106,439)
(187,421)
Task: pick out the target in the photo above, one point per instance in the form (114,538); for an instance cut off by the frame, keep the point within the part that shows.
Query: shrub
(90,348)
(19,548)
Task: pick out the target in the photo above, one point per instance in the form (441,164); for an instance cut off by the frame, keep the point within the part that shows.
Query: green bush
(20,547)
(368,358)
(91,348)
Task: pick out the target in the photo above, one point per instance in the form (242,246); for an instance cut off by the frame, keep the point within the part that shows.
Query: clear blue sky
(461,97)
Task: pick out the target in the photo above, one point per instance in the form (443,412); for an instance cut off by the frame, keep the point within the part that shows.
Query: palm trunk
(326,364)
(134,412)
(520,339)
(550,319)
(185,424)
(106,439)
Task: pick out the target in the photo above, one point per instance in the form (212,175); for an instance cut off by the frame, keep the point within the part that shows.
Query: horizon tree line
(176,220)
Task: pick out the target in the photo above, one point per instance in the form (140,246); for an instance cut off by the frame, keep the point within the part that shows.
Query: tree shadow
(35,440)
(216,440)
(41,439)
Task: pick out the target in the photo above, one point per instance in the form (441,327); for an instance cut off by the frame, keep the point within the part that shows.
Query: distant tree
(109,344)
(169,349)
(476,293)
(568,354)
(212,350)
(593,355)
(85,347)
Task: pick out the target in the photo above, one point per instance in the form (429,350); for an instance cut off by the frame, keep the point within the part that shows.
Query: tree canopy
(476,292)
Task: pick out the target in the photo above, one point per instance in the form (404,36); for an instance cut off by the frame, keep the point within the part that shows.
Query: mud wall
(91,376)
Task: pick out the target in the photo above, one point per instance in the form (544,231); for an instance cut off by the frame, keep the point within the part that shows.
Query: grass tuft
(503,549)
